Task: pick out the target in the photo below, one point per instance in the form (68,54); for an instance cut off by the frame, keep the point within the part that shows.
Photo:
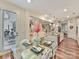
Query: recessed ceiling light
(65,10)
(68,16)
(29,1)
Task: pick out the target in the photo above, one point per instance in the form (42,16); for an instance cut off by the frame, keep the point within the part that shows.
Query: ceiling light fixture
(68,16)
(29,1)
(65,10)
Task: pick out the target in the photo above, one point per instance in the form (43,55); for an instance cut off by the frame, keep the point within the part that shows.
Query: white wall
(78,31)
(0,31)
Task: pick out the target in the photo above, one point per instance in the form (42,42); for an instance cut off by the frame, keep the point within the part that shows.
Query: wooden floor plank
(68,49)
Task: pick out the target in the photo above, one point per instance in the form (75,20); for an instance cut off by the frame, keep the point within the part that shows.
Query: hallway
(68,49)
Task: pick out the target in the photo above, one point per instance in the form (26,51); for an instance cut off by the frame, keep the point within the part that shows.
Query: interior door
(72,29)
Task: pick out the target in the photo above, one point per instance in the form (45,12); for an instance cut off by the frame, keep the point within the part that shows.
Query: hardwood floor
(68,49)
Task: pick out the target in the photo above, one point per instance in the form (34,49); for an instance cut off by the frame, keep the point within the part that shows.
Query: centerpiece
(37,28)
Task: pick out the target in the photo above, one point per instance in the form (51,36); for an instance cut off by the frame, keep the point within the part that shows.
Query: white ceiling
(54,7)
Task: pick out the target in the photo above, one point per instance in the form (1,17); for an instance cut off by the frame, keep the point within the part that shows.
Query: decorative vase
(37,40)
(37,27)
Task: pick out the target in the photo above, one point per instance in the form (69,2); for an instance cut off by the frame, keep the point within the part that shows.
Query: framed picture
(9,29)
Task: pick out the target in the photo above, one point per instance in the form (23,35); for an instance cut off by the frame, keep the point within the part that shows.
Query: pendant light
(29,1)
